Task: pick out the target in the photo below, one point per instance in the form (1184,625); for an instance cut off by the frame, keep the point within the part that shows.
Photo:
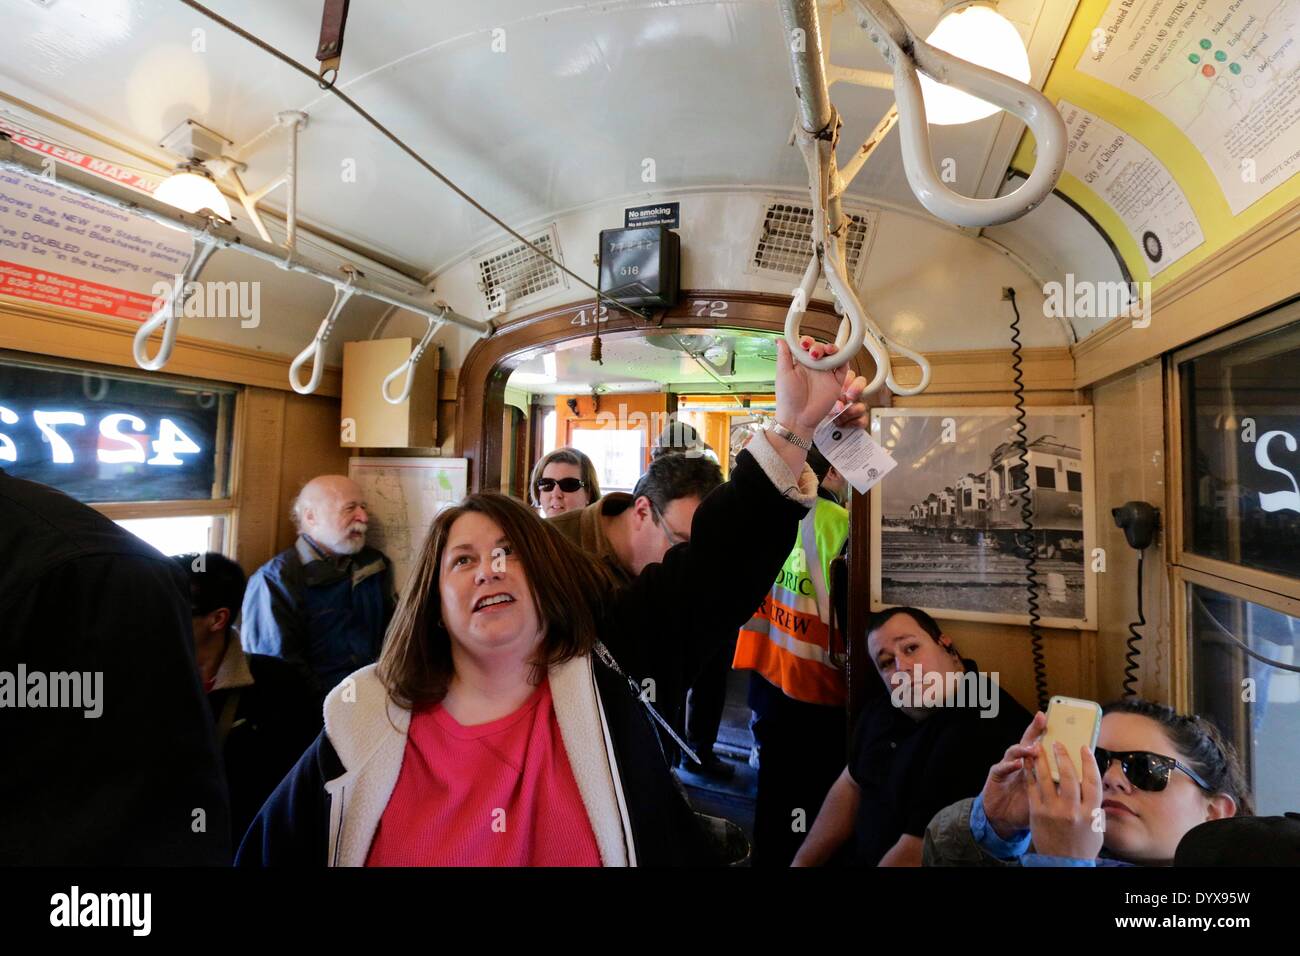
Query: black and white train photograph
(981,500)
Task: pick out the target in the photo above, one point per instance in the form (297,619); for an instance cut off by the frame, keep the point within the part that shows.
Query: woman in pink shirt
(509,719)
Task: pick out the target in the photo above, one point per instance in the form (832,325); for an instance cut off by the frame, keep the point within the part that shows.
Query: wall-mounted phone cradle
(1139,522)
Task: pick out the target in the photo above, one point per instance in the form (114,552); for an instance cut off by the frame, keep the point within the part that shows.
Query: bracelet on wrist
(778,429)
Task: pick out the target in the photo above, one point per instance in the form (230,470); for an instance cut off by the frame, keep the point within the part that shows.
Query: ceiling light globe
(983,36)
(191,192)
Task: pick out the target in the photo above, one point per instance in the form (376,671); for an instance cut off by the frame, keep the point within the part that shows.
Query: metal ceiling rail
(211,234)
(817,134)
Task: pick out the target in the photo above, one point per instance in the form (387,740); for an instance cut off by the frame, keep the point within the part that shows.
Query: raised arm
(675,615)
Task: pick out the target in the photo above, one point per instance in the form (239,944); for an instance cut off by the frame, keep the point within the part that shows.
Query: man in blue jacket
(322,605)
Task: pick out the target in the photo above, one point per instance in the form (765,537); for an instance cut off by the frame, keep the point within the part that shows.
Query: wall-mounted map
(404,496)
(1225,72)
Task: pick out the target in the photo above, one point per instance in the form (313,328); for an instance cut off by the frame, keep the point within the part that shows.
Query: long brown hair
(568,588)
(566,456)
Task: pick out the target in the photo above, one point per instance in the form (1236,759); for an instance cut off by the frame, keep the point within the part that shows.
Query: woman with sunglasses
(564,480)
(509,720)
(1153,776)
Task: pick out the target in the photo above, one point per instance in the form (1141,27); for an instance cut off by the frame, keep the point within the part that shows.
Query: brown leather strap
(333,21)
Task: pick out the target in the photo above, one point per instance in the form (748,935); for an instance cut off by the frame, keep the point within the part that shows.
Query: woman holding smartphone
(1154,776)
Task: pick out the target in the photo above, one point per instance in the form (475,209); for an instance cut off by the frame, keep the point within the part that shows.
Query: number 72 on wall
(170,444)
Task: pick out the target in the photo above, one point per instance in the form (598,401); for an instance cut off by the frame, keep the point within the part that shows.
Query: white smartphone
(1075,723)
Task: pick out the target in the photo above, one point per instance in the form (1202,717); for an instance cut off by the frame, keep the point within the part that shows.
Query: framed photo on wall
(948,528)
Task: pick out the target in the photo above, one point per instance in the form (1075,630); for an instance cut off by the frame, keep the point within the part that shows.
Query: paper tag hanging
(854,453)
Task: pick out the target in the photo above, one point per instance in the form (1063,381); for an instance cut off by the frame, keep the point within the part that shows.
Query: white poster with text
(1225,72)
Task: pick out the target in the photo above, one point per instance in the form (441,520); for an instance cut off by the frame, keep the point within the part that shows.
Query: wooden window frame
(1264,588)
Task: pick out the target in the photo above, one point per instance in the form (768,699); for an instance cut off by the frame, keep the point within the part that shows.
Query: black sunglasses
(1146,770)
(569,485)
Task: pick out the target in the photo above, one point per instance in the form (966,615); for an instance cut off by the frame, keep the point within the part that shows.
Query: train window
(153,454)
(617,455)
(548,432)
(1241,424)
(1074,480)
(104,437)
(1253,701)
(185,534)
(1046,477)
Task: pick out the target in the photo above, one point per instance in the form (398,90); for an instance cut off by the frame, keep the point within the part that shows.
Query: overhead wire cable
(401,144)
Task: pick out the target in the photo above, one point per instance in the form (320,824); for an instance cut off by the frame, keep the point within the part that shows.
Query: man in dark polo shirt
(925,742)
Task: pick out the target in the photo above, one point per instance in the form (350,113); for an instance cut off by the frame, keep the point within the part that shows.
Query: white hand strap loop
(315,350)
(408,367)
(168,316)
(906,53)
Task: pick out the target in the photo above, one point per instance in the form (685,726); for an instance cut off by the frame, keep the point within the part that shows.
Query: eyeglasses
(1146,770)
(673,539)
(568,485)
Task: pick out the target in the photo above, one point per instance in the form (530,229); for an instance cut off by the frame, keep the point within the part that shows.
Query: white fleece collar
(233,671)
(369,733)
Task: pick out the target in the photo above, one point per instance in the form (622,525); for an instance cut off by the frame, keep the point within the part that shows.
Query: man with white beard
(323,604)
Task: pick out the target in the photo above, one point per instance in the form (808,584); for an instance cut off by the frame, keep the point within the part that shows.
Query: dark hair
(567,587)
(1199,743)
(670,477)
(928,624)
(677,438)
(821,468)
(215,582)
(566,456)
(818,463)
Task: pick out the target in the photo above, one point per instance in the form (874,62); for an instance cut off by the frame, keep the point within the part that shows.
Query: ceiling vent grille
(783,244)
(517,274)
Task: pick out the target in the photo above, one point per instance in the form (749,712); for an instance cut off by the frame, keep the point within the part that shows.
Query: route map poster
(1225,72)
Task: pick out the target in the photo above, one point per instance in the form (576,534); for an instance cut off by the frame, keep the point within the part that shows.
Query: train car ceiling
(574,111)
(559,117)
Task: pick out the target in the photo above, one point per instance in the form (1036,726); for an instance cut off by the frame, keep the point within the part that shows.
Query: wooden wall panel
(311,448)
(258,479)
(67,334)
(1130,429)
(288,440)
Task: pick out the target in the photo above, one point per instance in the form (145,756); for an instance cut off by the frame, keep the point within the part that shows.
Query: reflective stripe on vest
(787,640)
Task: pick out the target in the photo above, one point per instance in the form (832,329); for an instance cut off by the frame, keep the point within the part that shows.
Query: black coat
(141,783)
(663,627)
(276,717)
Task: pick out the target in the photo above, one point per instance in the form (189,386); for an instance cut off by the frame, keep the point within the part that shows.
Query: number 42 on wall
(168,447)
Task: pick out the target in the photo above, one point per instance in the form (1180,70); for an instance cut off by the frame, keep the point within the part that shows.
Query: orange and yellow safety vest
(787,641)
